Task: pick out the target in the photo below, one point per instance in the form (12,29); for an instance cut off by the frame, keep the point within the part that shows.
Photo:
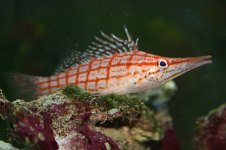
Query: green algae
(130,108)
(73,91)
(105,102)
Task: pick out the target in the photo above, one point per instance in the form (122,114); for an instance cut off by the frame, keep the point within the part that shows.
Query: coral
(160,96)
(75,119)
(97,140)
(170,141)
(4,105)
(211,131)
(6,146)
(158,100)
(35,128)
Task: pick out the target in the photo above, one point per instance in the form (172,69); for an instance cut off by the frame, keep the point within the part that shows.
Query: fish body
(118,73)
(114,65)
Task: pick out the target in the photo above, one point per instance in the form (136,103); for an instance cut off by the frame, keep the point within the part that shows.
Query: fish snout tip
(195,62)
(206,59)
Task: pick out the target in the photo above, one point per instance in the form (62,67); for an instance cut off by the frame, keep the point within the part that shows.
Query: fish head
(166,68)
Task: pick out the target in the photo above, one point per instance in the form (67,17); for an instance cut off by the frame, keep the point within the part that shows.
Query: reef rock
(72,119)
(211,131)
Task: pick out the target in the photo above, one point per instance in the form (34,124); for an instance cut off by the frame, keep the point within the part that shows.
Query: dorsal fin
(104,46)
(72,59)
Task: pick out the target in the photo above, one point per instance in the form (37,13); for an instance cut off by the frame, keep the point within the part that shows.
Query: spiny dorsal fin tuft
(104,46)
(72,59)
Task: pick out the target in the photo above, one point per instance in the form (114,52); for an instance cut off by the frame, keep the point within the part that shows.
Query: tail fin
(24,86)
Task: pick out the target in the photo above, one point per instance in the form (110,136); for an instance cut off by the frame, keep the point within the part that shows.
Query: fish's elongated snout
(204,59)
(192,63)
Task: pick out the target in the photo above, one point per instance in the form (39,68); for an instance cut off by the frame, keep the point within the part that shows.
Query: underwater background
(36,35)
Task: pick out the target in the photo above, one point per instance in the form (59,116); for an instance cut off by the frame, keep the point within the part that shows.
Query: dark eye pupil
(162,63)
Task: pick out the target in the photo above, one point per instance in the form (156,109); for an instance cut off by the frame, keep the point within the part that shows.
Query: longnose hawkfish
(113,65)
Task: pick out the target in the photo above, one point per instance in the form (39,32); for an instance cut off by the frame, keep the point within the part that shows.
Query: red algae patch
(211,131)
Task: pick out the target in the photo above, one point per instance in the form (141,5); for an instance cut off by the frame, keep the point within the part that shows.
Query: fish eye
(162,64)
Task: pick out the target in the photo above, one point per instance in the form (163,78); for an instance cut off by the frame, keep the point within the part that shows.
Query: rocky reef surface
(211,131)
(72,119)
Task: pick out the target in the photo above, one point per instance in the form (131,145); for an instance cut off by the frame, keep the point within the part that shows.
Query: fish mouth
(197,62)
(204,59)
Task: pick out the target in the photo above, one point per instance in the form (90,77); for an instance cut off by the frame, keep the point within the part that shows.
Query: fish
(111,65)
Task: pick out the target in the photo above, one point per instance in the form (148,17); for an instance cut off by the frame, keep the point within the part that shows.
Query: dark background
(35,36)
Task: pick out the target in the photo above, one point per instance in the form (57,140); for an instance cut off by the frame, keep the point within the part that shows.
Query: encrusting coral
(75,119)
(211,131)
